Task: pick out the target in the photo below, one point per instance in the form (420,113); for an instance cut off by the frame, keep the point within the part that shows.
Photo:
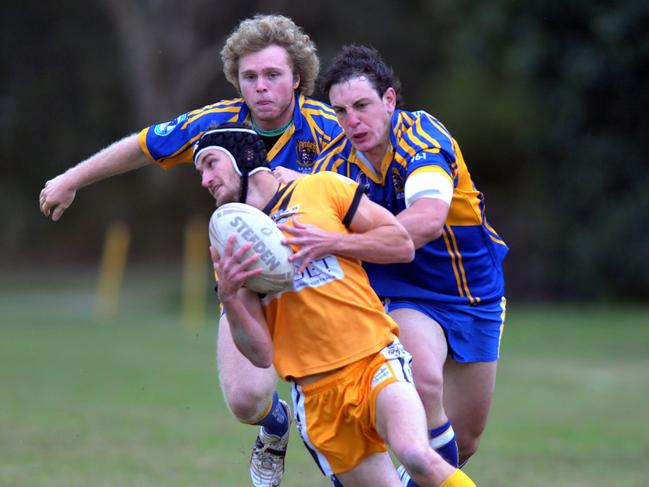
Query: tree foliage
(546,99)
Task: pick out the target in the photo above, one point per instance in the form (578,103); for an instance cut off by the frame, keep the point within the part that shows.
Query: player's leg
(248,390)
(468,392)
(250,393)
(424,338)
(474,337)
(401,421)
(376,470)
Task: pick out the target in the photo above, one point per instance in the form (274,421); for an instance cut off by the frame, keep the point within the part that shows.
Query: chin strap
(243,194)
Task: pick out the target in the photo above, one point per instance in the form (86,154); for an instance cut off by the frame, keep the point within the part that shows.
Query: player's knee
(419,462)
(246,403)
(468,440)
(467,445)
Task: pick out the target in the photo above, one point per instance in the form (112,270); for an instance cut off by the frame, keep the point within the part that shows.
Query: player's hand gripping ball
(249,224)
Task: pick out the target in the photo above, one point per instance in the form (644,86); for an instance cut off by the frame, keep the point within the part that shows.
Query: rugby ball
(249,224)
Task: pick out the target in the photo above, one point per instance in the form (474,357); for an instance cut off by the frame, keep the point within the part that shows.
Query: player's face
(267,85)
(364,115)
(218,176)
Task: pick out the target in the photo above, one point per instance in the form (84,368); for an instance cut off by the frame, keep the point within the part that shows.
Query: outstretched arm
(247,323)
(376,236)
(122,156)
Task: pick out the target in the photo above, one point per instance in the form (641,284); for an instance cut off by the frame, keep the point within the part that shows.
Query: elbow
(262,363)
(410,251)
(259,353)
(262,358)
(407,250)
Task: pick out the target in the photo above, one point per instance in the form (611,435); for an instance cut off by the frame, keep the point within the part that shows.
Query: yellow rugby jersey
(314,126)
(331,317)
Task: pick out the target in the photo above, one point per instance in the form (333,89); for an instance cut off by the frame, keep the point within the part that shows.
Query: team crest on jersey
(164,129)
(306,153)
(397,182)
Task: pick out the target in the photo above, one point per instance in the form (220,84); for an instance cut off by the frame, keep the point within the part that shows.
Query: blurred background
(107,366)
(548,101)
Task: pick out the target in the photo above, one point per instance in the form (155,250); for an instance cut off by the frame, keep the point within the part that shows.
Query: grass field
(134,400)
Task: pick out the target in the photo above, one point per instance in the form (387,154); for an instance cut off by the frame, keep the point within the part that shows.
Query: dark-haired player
(449,302)
(328,335)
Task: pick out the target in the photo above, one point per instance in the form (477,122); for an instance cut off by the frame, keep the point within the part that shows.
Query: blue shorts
(472,333)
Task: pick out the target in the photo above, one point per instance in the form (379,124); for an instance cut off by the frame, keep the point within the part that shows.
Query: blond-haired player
(273,65)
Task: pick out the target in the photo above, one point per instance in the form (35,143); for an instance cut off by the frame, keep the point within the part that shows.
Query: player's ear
(390,99)
(296,80)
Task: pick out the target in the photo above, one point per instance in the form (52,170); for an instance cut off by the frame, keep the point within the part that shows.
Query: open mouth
(359,137)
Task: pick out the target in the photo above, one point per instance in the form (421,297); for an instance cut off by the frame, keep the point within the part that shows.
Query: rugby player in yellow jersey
(328,334)
(273,65)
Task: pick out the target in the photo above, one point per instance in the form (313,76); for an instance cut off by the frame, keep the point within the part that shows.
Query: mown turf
(134,400)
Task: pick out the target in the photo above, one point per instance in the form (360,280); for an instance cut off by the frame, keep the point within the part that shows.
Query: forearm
(250,336)
(424,223)
(120,157)
(387,244)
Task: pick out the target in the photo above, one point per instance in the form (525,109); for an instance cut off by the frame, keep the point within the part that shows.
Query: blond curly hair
(259,32)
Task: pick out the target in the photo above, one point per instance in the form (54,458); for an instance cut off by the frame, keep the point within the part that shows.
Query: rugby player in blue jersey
(273,65)
(449,302)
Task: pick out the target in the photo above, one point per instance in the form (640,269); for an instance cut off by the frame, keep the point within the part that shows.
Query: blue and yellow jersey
(462,266)
(314,126)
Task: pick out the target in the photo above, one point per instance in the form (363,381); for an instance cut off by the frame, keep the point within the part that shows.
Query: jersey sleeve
(430,147)
(171,143)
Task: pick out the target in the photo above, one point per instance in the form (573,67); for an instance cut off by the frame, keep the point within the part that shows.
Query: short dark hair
(354,61)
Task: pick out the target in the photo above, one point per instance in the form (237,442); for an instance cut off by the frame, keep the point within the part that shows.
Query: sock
(442,439)
(458,479)
(275,421)
(406,481)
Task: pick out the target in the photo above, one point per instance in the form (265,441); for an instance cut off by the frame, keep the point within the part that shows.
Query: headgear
(242,145)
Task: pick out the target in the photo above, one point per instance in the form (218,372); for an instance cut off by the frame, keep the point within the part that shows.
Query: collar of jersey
(288,133)
(366,166)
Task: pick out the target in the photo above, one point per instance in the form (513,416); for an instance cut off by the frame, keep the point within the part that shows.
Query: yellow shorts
(336,415)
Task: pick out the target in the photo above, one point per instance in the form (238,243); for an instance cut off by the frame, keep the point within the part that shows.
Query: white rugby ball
(249,224)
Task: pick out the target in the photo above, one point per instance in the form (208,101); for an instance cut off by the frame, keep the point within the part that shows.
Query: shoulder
(326,179)
(422,123)
(228,106)
(228,102)
(316,106)
(335,154)
(419,131)
(318,111)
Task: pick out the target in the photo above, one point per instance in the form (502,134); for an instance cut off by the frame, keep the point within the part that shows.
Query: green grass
(134,400)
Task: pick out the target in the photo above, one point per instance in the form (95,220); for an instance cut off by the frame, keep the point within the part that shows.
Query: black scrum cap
(242,145)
